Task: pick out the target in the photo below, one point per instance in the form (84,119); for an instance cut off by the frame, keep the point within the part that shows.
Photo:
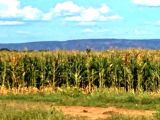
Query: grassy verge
(75,97)
(100,98)
(16,113)
(18,110)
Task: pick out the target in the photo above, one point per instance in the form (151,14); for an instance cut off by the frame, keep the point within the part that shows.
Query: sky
(57,20)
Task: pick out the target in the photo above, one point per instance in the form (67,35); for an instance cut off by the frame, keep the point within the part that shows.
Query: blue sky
(46,20)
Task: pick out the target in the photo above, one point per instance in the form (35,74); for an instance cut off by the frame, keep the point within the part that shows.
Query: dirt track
(94,113)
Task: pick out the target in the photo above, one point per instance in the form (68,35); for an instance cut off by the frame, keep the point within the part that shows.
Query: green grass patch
(15,113)
(98,98)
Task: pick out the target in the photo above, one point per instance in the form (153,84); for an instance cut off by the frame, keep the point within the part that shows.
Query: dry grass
(25,90)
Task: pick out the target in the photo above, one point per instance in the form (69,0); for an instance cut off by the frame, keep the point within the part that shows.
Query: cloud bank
(149,3)
(73,12)
(11,10)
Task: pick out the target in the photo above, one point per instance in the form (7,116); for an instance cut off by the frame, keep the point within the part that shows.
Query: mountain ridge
(82,44)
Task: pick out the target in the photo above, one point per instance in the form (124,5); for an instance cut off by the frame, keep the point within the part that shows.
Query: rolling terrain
(95,44)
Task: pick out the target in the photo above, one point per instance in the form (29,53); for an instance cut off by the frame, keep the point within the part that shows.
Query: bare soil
(94,113)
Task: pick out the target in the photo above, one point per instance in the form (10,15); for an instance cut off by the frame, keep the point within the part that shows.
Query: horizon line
(130,39)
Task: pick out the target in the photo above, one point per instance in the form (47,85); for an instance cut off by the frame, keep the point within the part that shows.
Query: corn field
(133,69)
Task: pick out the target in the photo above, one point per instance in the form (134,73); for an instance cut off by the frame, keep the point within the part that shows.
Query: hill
(95,44)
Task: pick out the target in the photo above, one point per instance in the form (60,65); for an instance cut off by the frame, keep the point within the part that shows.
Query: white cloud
(62,9)
(11,23)
(68,6)
(104,9)
(73,12)
(9,8)
(68,10)
(86,15)
(31,13)
(13,9)
(152,3)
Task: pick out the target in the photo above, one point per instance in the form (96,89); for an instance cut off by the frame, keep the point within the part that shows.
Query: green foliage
(128,69)
(9,113)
